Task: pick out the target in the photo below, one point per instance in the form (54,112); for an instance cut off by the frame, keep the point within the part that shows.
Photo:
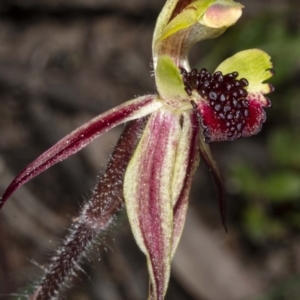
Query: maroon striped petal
(148,195)
(96,215)
(185,167)
(81,137)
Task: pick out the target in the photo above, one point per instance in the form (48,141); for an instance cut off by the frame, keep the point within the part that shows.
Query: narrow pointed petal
(107,198)
(213,167)
(187,161)
(82,136)
(148,196)
(97,214)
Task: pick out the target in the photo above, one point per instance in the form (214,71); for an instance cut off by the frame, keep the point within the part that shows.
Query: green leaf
(282,187)
(284,147)
(259,226)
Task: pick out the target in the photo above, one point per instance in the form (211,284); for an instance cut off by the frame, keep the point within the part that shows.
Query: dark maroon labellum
(226,95)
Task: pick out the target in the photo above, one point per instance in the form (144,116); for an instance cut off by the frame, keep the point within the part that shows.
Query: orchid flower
(153,164)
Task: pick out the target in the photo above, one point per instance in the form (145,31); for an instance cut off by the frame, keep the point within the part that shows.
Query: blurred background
(64,61)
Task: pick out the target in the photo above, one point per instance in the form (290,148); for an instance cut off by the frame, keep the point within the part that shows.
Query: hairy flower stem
(96,216)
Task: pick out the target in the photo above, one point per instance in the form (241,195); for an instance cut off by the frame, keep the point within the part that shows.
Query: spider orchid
(152,166)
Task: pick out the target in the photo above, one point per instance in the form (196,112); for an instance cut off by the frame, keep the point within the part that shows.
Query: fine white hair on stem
(95,217)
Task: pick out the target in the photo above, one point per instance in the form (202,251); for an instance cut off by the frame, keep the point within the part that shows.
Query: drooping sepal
(216,174)
(148,198)
(82,136)
(156,188)
(187,160)
(213,167)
